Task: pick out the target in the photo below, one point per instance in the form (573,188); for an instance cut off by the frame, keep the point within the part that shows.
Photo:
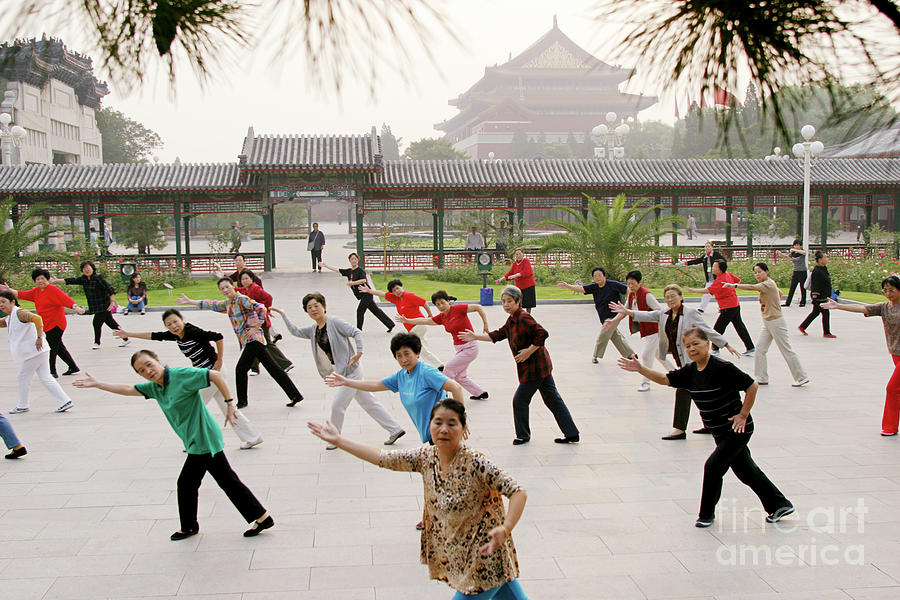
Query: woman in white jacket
(332,352)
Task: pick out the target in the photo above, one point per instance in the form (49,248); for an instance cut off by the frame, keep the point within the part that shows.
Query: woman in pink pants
(455,319)
(889,312)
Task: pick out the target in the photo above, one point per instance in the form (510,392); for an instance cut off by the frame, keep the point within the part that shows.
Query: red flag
(723,98)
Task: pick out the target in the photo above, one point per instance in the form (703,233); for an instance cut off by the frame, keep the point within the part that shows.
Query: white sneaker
(645,387)
(124,343)
(95,347)
(253,373)
(65,407)
(248,445)
(800,383)
(331,447)
(18,410)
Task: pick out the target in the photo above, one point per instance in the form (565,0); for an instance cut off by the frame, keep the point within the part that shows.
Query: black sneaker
(779,514)
(483,396)
(183,535)
(700,522)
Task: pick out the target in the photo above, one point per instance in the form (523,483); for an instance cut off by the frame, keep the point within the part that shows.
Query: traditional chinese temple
(554,88)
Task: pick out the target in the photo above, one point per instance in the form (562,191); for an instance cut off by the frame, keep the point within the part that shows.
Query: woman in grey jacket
(672,325)
(330,342)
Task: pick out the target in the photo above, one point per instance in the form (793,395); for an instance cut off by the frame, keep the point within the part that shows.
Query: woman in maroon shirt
(522,275)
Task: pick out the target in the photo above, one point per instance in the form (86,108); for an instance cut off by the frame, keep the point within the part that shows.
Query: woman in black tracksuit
(100,295)
(820,291)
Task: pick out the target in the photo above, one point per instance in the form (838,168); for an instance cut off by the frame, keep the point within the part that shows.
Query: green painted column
(520,216)
(187,242)
(868,211)
(176,216)
(657,212)
(440,236)
(674,214)
(434,229)
(729,209)
(272,258)
(749,228)
(896,227)
(360,249)
(86,216)
(825,222)
(267,251)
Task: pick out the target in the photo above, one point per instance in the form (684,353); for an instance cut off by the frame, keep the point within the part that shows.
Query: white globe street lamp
(10,137)
(610,140)
(807,150)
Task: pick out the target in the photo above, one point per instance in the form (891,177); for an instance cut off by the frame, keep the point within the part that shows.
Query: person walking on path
(729,304)
(356,276)
(455,319)
(26,346)
(521,274)
(50,303)
(8,434)
(420,385)
(889,312)
(604,292)
(672,325)
(467,539)
(526,341)
(137,294)
(247,318)
(256,293)
(798,279)
(640,298)
(408,305)
(236,235)
(474,242)
(774,328)
(710,256)
(332,352)
(177,392)
(314,243)
(691,227)
(715,387)
(196,345)
(820,291)
(101,297)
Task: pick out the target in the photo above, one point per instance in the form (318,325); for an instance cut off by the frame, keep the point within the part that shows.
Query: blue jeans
(7,433)
(511,590)
(135,303)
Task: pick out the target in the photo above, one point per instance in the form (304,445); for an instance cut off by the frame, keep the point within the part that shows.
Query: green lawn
(196,289)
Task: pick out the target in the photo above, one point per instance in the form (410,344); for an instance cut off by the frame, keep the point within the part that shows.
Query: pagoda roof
(881,143)
(311,152)
(36,61)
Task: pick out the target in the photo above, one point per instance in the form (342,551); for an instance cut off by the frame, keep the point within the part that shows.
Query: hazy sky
(209,124)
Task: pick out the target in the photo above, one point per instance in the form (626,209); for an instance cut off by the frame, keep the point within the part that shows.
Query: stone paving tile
(609,518)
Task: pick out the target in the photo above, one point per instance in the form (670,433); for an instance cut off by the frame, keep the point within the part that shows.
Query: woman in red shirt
(254,291)
(50,303)
(522,275)
(455,319)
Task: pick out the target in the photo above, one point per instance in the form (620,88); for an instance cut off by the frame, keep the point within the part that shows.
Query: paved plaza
(88,512)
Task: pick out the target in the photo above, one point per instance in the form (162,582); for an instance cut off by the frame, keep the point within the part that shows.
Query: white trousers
(244,428)
(426,354)
(775,329)
(39,364)
(368,402)
(650,351)
(704,301)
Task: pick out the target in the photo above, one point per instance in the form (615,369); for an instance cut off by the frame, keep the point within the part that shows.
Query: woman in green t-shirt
(177,391)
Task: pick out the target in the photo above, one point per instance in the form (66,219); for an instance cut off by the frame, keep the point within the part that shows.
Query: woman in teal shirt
(177,391)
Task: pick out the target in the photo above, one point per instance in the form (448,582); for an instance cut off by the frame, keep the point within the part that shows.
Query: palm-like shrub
(611,236)
(28,229)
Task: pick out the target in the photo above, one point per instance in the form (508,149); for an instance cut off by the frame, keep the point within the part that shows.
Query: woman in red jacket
(522,276)
(255,292)
(50,303)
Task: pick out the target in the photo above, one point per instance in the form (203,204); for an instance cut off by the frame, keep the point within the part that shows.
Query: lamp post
(610,141)
(807,150)
(10,137)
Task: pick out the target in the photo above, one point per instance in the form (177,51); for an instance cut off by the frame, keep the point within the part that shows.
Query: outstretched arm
(416,321)
(329,267)
(635,366)
(471,336)
(834,304)
(141,335)
(123,389)
(329,433)
(570,286)
(336,380)
(365,289)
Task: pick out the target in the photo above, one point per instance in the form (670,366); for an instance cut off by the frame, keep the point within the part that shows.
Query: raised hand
(630,364)
(325,432)
(364,289)
(335,380)
(120,334)
(87,381)
(183,300)
(275,309)
(398,318)
(830,304)
(618,308)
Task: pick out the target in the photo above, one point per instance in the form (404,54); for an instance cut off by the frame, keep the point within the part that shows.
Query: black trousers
(798,279)
(552,400)
(195,467)
(277,355)
(682,409)
(57,348)
(254,350)
(733,315)
(732,453)
(101,318)
(316,257)
(367,302)
(816,311)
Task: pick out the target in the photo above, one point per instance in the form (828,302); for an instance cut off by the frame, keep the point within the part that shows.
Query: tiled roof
(635,173)
(882,143)
(311,152)
(124,178)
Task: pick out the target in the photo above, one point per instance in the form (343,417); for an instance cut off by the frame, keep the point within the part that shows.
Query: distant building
(52,92)
(551,90)
(881,143)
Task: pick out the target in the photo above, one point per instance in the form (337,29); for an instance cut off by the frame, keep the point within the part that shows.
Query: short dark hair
(87,262)
(797,242)
(313,296)
(172,311)
(9,296)
(392,283)
(636,275)
(140,353)
(238,254)
(221,279)
(406,340)
(819,255)
(315,223)
(440,295)
(133,275)
(891,280)
(722,264)
(595,269)
(762,266)
(353,254)
(450,404)
(695,331)
(35,273)
(249,273)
